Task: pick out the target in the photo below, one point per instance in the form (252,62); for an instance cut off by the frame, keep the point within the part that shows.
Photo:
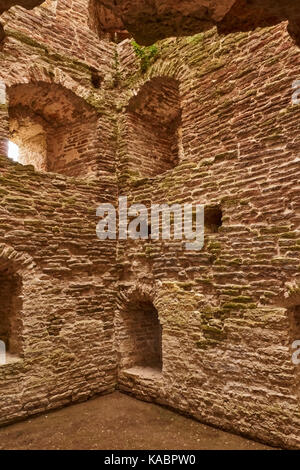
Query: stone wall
(56,100)
(227,336)
(52,56)
(55,129)
(197,119)
(47,229)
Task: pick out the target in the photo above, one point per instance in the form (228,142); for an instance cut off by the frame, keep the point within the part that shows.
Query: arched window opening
(154,128)
(140,337)
(29,136)
(54,129)
(10,311)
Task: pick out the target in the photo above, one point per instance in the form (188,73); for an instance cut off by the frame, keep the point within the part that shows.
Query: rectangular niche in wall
(140,337)
(296,320)
(213,216)
(10,313)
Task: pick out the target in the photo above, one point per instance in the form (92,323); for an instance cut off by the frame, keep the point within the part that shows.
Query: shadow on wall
(148,23)
(105,23)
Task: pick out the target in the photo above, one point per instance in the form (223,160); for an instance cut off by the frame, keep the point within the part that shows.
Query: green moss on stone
(147,55)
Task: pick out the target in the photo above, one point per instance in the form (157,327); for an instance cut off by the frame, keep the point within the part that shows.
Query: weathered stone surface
(149,21)
(62,315)
(227,313)
(194,119)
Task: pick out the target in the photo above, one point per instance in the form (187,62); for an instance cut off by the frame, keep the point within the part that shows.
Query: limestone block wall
(227,312)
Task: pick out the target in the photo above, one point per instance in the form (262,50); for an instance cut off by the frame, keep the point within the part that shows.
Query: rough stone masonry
(206,119)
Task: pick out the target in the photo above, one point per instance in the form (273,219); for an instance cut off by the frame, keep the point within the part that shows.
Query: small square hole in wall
(96,79)
(295,322)
(213,218)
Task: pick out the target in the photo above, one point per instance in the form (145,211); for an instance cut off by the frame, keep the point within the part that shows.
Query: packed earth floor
(117,421)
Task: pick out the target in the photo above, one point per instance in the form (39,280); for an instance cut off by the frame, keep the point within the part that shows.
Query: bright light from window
(13,151)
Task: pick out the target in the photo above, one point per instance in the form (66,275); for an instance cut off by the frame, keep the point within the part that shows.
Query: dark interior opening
(213,218)
(96,79)
(10,311)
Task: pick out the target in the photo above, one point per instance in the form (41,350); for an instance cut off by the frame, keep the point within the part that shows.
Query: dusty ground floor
(118,421)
